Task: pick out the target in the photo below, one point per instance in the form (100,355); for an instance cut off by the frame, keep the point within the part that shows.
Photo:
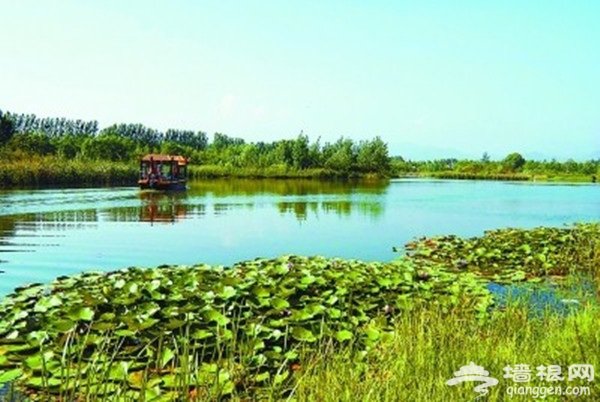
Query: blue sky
(432,80)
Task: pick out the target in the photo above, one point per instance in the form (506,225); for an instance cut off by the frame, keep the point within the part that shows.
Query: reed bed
(53,171)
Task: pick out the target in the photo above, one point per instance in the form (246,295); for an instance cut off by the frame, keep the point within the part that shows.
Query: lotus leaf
(10,375)
(343,335)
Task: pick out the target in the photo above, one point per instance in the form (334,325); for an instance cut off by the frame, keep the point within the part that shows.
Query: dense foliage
(6,128)
(513,166)
(522,254)
(27,135)
(257,312)
(166,333)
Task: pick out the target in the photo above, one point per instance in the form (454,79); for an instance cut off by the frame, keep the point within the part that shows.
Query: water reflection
(33,221)
(162,207)
(300,198)
(342,208)
(299,187)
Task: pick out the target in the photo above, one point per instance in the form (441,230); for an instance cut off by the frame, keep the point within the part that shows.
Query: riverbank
(537,177)
(306,327)
(51,171)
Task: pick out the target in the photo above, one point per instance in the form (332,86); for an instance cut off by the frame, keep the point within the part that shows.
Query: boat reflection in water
(168,207)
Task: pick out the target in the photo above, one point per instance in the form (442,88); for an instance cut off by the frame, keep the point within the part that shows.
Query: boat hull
(167,185)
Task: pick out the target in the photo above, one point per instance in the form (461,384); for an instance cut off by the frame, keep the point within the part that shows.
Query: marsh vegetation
(305,328)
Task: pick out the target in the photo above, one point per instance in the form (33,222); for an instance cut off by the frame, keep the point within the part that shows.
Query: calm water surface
(48,233)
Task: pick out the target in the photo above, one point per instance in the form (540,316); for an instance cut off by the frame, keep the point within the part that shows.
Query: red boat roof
(165,158)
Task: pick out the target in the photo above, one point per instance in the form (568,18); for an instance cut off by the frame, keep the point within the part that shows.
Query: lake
(45,233)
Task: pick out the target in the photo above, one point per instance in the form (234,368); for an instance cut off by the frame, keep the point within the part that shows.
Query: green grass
(431,345)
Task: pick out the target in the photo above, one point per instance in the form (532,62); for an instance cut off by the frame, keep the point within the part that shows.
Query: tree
(341,155)
(589,167)
(514,162)
(221,141)
(175,148)
(373,156)
(32,143)
(7,128)
(300,152)
(69,146)
(249,155)
(108,147)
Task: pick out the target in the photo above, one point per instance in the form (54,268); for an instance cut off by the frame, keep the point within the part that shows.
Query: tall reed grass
(274,172)
(37,171)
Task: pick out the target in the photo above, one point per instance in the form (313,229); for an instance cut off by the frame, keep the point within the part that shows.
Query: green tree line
(23,136)
(27,134)
(513,165)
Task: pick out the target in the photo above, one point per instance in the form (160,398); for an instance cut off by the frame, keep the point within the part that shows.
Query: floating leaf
(228,292)
(303,334)
(261,292)
(281,377)
(201,334)
(47,303)
(372,334)
(343,335)
(136,379)
(214,315)
(166,355)
(262,377)
(279,304)
(10,375)
(82,313)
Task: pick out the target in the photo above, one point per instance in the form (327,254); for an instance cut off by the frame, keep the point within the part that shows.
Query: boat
(163,172)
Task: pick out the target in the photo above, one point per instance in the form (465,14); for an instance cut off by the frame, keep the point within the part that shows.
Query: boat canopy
(181,161)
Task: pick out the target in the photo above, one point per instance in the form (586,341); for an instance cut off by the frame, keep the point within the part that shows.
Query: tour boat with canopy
(163,172)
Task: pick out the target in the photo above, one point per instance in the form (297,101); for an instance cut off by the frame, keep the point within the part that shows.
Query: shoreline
(49,182)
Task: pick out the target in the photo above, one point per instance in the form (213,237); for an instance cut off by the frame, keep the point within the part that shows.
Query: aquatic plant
(261,328)
(129,326)
(508,255)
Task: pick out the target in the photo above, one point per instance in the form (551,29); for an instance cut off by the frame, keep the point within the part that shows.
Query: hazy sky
(459,78)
